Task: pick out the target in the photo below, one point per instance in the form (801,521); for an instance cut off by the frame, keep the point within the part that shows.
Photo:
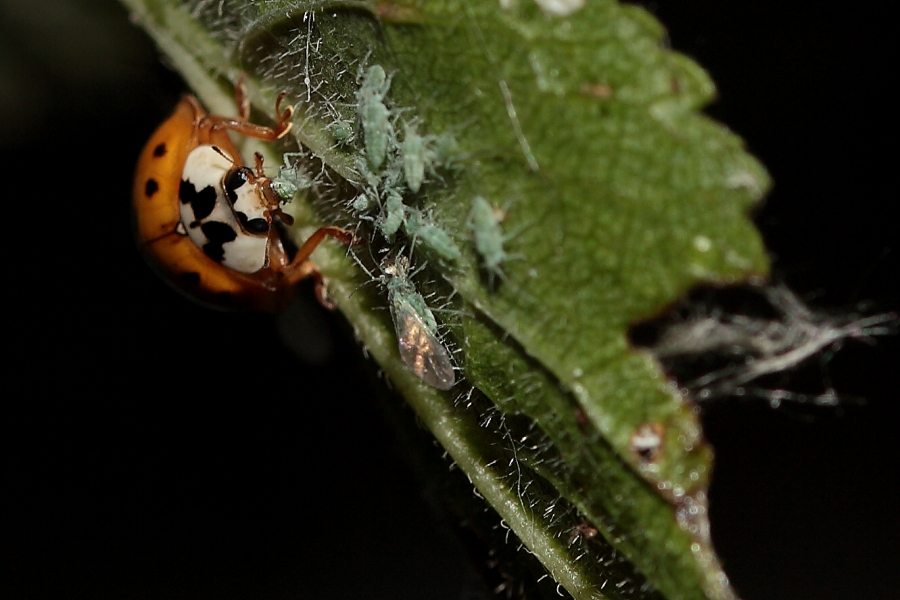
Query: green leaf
(613,197)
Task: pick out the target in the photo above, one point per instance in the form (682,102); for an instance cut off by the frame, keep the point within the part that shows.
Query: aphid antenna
(288,158)
(372,278)
(396,116)
(414,122)
(361,66)
(382,261)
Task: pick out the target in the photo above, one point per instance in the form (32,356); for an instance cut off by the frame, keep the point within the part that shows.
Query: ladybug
(207,221)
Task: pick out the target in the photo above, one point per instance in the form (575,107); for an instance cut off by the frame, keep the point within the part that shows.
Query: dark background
(129,470)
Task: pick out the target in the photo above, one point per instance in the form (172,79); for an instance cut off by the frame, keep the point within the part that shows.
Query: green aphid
(444,149)
(416,157)
(341,131)
(374,115)
(362,204)
(484,222)
(420,230)
(416,328)
(392,215)
(291,178)
(369,179)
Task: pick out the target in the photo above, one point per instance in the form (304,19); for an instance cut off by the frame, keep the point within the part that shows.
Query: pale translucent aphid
(416,328)
(420,230)
(484,222)
(374,115)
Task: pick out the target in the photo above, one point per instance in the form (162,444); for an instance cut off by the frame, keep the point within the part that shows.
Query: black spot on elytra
(202,202)
(151,187)
(190,278)
(159,150)
(234,180)
(258,225)
(218,234)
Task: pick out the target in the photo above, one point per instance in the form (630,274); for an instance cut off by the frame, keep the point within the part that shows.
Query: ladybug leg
(243,127)
(319,286)
(284,117)
(297,270)
(301,267)
(241,99)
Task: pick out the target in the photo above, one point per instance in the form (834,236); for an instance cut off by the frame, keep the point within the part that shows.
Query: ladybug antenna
(223,154)
(260,173)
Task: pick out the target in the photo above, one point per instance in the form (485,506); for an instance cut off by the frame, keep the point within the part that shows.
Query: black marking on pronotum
(190,278)
(258,225)
(159,150)
(202,202)
(151,187)
(218,235)
(233,181)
